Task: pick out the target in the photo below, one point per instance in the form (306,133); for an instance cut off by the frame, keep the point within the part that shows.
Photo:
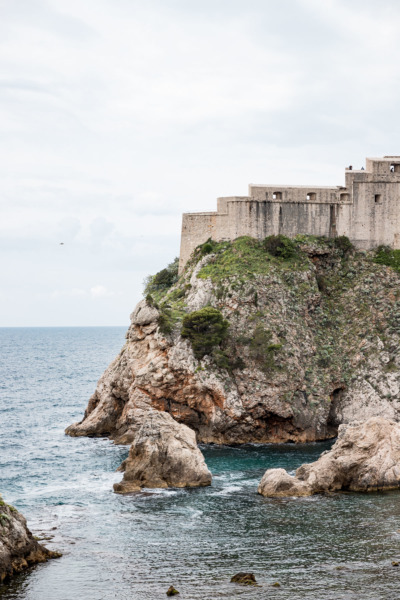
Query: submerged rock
(365,458)
(172,591)
(18,547)
(244,579)
(163,454)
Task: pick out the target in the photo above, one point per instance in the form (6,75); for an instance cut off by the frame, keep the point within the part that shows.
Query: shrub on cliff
(162,280)
(262,349)
(280,246)
(385,255)
(208,247)
(343,243)
(205,328)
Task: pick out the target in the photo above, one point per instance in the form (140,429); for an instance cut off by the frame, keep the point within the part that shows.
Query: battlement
(366,209)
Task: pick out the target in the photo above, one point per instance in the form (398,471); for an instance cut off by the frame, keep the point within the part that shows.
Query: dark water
(135,547)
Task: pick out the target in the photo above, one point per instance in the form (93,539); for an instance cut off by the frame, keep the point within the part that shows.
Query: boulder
(365,458)
(163,454)
(171,591)
(277,483)
(18,548)
(244,579)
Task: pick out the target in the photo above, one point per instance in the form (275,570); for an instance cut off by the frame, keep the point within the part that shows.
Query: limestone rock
(365,458)
(332,357)
(163,454)
(18,548)
(144,314)
(277,483)
(244,579)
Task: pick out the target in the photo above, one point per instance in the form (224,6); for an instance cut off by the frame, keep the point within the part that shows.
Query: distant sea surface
(331,547)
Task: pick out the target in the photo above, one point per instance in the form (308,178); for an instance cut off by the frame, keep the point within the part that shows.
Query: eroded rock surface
(365,458)
(277,483)
(163,454)
(18,548)
(313,343)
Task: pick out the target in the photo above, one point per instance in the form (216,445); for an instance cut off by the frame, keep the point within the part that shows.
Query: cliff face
(312,342)
(18,548)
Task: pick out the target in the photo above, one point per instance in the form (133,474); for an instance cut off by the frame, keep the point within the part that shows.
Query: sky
(117,115)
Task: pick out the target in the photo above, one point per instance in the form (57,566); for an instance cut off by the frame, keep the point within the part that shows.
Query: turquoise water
(131,547)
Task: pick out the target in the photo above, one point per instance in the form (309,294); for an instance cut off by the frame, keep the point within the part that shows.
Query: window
(311,196)
(344,197)
(277,196)
(378,198)
(395,168)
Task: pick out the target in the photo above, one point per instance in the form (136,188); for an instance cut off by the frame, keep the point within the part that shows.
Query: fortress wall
(326,195)
(344,217)
(196,229)
(366,211)
(311,219)
(375,215)
(260,219)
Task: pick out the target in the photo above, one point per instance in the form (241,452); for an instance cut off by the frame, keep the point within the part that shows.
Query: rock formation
(244,579)
(365,458)
(277,483)
(313,342)
(163,454)
(18,548)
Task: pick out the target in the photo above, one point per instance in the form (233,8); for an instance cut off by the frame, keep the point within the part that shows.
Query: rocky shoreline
(365,458)
(18,548)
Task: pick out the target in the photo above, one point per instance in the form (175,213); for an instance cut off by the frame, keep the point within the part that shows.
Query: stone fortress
(366,210)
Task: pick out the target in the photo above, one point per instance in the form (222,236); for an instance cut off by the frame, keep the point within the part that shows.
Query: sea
(326,547)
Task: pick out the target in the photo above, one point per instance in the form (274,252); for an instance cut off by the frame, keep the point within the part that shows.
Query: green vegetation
(205,328)
(283,290)
(246,257)
(343,244)
(156,285)
(150,301)
(169,302)
(4,519)
(384,255)
(262,349)
(280,246)
(208,247)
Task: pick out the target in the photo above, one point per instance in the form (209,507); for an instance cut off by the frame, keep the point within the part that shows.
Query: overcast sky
(118,115)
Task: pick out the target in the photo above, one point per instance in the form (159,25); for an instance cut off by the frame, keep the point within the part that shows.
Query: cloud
(117,117)
(97,291)
(100,291)
(74,293)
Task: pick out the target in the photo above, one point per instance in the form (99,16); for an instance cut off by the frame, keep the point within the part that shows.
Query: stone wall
(366,210)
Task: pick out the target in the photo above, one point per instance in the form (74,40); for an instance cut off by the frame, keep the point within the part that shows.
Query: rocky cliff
(18,547)
(307,339)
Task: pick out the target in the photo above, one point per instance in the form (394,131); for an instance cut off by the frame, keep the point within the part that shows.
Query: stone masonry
(366,210)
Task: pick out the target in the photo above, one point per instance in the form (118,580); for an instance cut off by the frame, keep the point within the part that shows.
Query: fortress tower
(366,209)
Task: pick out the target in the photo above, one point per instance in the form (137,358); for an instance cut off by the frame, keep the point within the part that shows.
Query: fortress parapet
(366,209)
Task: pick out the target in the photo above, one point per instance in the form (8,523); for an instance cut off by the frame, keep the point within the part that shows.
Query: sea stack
(163,454)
